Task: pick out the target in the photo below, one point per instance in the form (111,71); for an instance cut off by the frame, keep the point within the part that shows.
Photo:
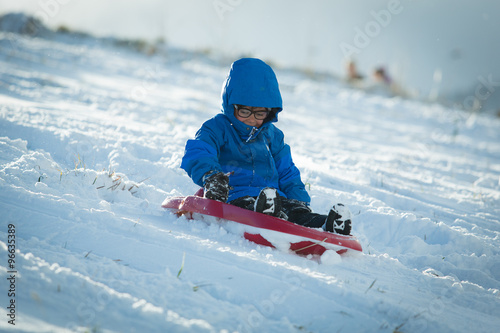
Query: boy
(239,156)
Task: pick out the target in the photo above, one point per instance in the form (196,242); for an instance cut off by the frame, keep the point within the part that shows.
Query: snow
(426,51)
(91,138)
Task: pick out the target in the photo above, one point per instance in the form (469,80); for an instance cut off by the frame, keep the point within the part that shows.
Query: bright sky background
(459,38)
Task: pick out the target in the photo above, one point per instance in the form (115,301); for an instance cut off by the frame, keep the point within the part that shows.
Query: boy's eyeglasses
(245,113)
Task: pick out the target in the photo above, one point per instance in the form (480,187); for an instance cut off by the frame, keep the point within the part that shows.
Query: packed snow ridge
(91,137)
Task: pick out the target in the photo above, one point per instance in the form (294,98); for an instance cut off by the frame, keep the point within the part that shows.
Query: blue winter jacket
(258,157)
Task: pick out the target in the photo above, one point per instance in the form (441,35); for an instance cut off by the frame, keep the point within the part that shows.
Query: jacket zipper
(254,129)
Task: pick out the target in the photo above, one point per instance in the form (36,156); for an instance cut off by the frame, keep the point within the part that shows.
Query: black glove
(216,186)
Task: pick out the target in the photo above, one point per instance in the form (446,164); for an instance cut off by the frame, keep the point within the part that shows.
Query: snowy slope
(91,137)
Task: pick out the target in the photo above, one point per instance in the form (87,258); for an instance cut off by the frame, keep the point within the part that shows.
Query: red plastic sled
(264,229)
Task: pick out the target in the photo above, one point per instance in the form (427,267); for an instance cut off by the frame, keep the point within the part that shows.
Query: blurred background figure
(353,76)
(380,76)
(382,83)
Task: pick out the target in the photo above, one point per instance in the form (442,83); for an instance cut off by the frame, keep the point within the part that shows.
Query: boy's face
(251,120)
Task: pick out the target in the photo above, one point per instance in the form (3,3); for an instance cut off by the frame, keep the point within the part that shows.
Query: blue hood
(251,82)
